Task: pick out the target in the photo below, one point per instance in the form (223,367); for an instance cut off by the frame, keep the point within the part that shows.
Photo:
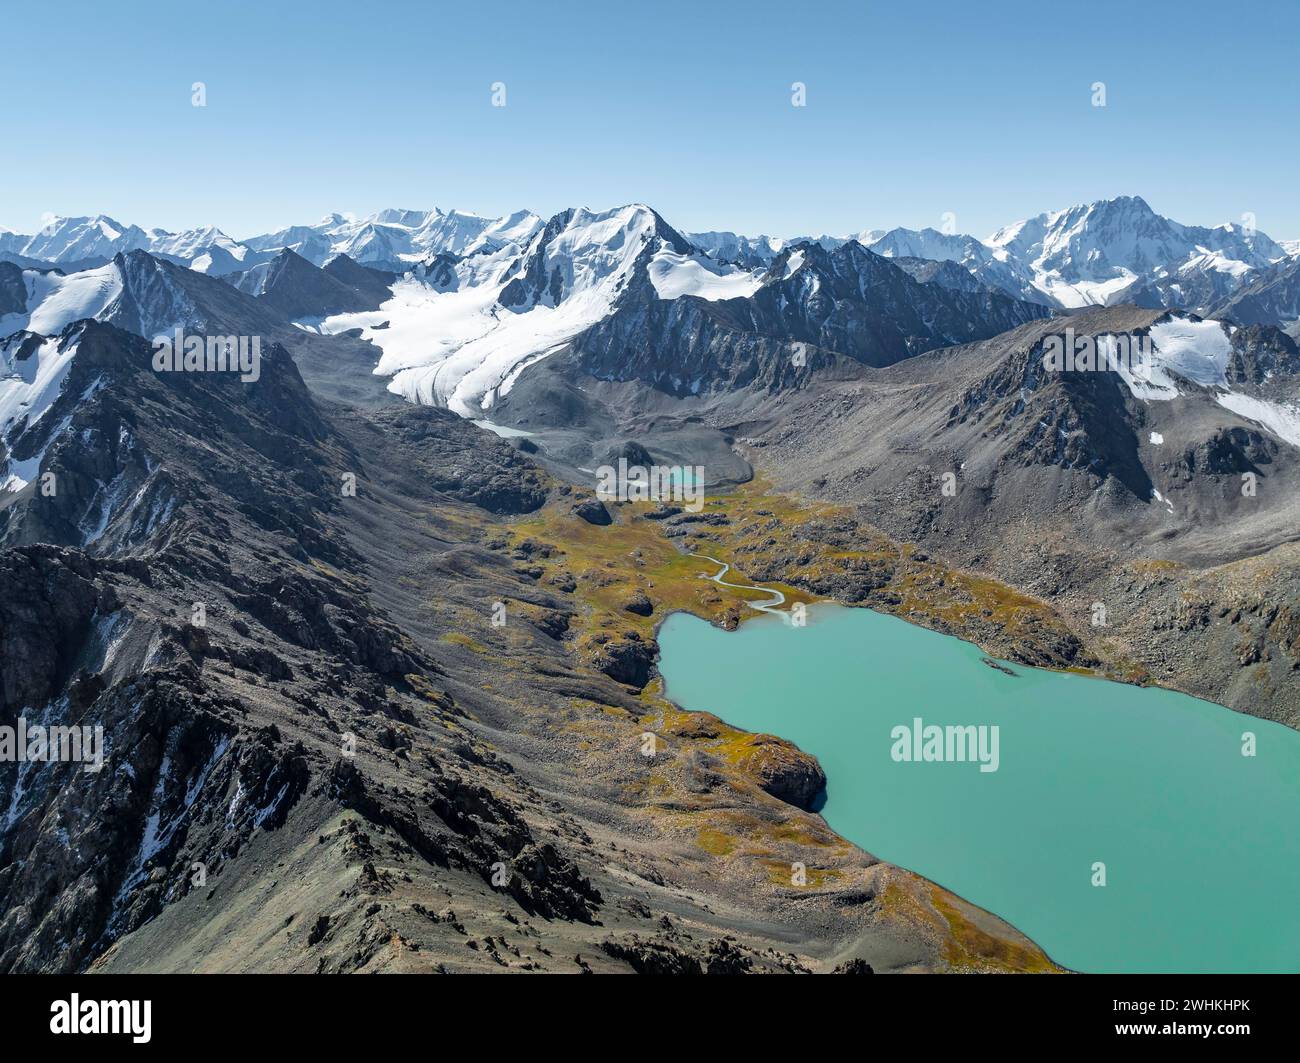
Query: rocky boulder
(639,604)
(593,511)
(626,660)
(783,770)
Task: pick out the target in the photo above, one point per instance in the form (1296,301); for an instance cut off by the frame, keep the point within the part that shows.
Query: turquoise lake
(1201,845)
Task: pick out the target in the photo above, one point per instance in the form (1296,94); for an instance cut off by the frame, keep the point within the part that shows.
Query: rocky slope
(812,304)
(1272,298)
(322,753)
(299,290)
(1172,508)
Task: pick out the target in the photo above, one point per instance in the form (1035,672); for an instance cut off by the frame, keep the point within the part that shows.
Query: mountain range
(876,424)
(1106,252)
(474,284)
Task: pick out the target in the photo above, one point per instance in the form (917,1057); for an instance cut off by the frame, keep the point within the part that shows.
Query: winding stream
(772,605)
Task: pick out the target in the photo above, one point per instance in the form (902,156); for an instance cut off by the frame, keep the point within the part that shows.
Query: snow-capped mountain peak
(1120,250)
(411,219)
(470,300)
(191,243)
(459,334)
(1104,252)
(73,239)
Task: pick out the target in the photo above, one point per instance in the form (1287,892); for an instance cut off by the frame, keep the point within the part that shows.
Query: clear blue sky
(979,108)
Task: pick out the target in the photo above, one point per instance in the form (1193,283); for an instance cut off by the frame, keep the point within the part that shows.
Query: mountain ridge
(1076,256)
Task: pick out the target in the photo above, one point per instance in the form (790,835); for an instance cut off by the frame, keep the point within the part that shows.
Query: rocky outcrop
(639,604)
(49,602)
(627,659)
(675,952)
(454,458)
(13,289)
(373,286)
(783,770)
(652,957)
(593,511)
(477,831)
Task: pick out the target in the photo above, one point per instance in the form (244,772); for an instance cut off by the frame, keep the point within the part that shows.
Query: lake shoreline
(1209,733)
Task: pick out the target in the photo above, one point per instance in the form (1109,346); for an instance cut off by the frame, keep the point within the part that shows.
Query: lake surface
(1201,845)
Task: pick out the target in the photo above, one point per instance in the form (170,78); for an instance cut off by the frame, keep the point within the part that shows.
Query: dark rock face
(854,966)
(1229,451)
(477,831)
(174,760)
(298,289)
(652,957)
(1088,421)
(662,512)
(374,286)
(639,604)
(627,659)
(1083,419)
(315,615)
(550,622)
(675,953)
(784,771)
(551,885)
(440,272)
(1260,352)
(157,294)
(848,302)
(631,451)
(725,958)
(453,457)
(13,290)
(593,511)
(262,447)
(49,602)
(946,273)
